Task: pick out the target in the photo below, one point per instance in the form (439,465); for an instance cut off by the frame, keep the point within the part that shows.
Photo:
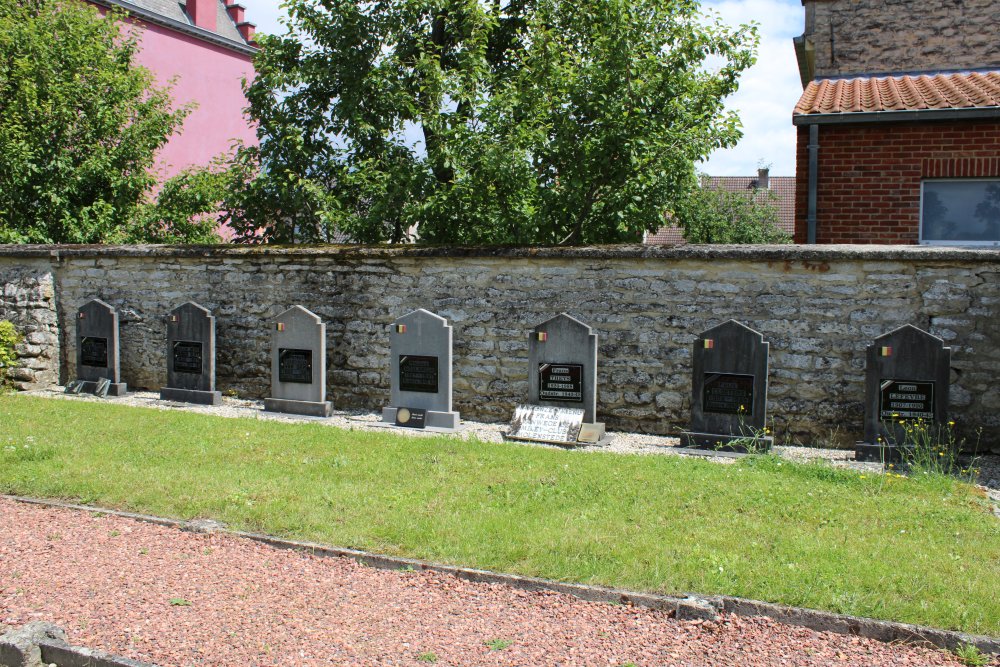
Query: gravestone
(562,373)
(191,356)
(729,390)
(420,373)
(907,373)
(98,368)
(298,364)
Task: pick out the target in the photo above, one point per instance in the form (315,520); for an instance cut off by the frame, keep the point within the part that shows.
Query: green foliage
(540,121)
(710,215)
(9,339)
(929,447)
(79,124)
(499,644)
(970,655)
(930,544)
(428,656)
(186,208)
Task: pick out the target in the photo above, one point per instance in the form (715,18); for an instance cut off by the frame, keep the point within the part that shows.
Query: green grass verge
(923,551)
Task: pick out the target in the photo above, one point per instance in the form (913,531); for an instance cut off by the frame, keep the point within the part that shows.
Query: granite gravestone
(97,356)
(562,372)
(191,356)
(729,389)
(298,364)
(907,373)
(420,372)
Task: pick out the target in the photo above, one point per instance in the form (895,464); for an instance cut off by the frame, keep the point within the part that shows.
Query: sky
(768,91)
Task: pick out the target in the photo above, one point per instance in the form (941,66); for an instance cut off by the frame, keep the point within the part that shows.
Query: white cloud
(768,90)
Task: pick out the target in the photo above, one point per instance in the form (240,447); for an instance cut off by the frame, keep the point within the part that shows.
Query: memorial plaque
(411,417)
(560,382)
(728,394)
(541,423)
(298,364)
(420,361)
(94,351)
(295,366)
(187,357)
(907,373)
(729,390)
(418,373)
(904,399)
(97,353)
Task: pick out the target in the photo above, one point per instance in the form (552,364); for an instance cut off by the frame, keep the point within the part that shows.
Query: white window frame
(923,241)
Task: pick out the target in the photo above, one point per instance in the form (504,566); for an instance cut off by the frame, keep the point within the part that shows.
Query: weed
(428,656)
(113,533)
(143,551)
(9,339)
(970,655)
(179,602)
(498,644)
(928,447)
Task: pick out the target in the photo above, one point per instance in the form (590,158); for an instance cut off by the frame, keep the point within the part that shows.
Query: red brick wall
(869,175)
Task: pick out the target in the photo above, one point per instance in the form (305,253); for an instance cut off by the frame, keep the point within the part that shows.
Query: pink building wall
(207,74)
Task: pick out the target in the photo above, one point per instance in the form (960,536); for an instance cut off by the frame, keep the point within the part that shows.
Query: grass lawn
(923,551)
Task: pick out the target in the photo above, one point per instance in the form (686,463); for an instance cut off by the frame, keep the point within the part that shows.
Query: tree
(710,215)
(484,121)
(80,124)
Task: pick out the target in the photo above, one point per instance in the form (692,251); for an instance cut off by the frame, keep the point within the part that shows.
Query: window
(965,212)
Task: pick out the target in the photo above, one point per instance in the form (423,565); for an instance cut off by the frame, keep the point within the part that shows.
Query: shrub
(9,338)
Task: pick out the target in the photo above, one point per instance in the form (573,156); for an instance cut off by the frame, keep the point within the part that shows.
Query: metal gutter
(970,113)
(187,29)
(813,183)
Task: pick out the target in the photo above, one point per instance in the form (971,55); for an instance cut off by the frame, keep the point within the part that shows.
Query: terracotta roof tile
(782,186)
(964,90)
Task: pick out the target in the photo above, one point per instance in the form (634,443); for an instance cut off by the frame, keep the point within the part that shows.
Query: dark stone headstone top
(729,386)
(97,354)
(562,365)
(907,375)
(191,348)
(298,356)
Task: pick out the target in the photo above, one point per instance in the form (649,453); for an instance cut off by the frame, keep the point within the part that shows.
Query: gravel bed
(988,466)
(170,597)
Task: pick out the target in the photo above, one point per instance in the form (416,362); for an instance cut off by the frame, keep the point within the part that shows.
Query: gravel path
(177,598)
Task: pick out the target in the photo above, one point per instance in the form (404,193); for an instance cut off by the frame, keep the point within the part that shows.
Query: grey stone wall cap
(770,253)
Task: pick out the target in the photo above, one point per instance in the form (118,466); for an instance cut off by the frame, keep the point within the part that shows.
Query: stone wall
(878,36)
(819,306)
(28,299)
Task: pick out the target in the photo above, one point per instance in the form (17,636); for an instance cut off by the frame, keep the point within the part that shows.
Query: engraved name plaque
(560,382)
(728,394)
(905,399)
(418,373)
(295,366)
(94,351)
(187,357)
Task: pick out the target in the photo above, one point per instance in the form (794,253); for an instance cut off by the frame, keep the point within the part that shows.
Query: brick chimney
(246,30)
(237,13)
(202,13)
(763,182)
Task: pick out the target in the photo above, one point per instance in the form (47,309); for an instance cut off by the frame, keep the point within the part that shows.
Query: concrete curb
(684,607)
(40,644)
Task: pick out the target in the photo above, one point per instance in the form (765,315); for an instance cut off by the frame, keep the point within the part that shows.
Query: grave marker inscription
(420,372)
(97,349)
(298,364)
(907,373)
(191,356)
(729,389)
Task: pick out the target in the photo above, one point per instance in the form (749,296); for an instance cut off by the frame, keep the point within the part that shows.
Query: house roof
(901,96)
(783,188)
(174,14)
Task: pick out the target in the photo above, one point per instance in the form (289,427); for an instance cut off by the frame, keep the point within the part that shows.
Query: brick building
(899,124)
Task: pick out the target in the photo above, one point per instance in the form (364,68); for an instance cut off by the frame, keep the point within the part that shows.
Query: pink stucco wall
(208,75)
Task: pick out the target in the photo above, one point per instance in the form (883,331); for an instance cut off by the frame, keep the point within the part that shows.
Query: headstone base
(447,421)
(869,453)
(726,443)
(114,389)
(310,408)
(191,396)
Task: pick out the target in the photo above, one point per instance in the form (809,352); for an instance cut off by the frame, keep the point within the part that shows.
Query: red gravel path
(109,583)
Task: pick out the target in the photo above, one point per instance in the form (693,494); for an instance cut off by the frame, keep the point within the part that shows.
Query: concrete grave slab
(191,356)
(298,364)
(907,376)
(97,348)
(421,370)
(729,389)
